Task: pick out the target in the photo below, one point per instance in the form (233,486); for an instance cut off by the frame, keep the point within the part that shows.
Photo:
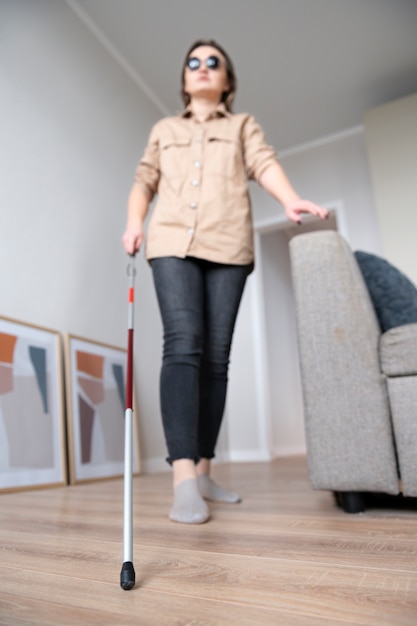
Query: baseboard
(158,464)
(284,451)
(249,456)
(154,466)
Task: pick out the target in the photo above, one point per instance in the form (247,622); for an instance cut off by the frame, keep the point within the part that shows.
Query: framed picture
(96,387)
(32,423)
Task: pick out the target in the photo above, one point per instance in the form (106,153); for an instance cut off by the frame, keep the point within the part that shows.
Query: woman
(200,247)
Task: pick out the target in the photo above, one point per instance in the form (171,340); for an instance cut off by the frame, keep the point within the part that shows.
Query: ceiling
(306,68)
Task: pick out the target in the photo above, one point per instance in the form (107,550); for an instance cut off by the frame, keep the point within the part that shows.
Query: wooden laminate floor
(284,556)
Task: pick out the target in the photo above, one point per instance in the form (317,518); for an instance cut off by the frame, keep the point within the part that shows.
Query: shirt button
(197,163)
(193,205)
(190,231)
(195,183)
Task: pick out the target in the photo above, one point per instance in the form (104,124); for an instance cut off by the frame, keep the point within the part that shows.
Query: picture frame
(96,387)
(32,407)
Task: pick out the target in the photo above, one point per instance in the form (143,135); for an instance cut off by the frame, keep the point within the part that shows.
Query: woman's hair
(227,96)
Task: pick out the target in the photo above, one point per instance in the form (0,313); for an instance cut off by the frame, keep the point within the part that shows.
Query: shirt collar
(219,111)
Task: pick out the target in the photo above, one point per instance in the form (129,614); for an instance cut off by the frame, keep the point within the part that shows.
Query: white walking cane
(127,574)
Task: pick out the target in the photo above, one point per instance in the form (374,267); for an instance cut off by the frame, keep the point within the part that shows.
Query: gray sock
(211,491)
(189,507)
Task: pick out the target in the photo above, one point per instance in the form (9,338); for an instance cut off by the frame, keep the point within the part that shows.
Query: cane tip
(127,576)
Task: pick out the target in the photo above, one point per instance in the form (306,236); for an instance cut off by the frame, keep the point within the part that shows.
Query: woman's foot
(212,491)
(188,507)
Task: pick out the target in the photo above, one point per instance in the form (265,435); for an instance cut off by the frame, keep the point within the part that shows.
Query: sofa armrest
(347,419)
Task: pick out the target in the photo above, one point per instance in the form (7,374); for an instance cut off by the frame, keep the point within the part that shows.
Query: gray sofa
(359,385)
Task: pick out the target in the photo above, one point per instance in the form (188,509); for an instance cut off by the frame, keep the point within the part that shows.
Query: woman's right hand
(133,238)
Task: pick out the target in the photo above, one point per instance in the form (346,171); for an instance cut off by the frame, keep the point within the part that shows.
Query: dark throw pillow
(393,295)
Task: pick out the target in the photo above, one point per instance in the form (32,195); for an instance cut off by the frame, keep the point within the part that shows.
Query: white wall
(331,170)
(73,125)
(391,135)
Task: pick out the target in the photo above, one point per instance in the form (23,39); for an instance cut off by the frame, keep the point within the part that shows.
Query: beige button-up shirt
(200,172)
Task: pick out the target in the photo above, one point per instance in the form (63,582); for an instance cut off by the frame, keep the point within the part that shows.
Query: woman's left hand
(295,209)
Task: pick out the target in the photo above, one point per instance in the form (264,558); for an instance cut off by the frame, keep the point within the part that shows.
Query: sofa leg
(351,501)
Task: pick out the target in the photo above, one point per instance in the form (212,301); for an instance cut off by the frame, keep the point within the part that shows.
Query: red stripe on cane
(129,372)
(131,294)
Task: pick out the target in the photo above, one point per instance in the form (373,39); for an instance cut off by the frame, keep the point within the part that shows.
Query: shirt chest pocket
(224,155)
(174,155)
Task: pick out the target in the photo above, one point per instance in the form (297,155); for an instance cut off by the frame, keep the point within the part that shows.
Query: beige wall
(391,137)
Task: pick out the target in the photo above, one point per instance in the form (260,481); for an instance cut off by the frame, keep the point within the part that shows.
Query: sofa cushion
(393,295)
(398,351)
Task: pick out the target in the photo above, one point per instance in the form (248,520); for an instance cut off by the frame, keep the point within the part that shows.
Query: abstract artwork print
(32,450)
(96,384)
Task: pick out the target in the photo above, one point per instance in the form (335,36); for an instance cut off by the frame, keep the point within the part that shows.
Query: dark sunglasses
(212,63)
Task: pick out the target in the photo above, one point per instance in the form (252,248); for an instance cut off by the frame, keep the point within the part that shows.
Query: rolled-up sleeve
(258,156)
(148,170)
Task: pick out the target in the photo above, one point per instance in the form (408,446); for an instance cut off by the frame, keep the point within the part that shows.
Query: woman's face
(207,82)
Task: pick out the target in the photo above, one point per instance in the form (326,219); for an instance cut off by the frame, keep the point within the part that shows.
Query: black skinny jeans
(199,301)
